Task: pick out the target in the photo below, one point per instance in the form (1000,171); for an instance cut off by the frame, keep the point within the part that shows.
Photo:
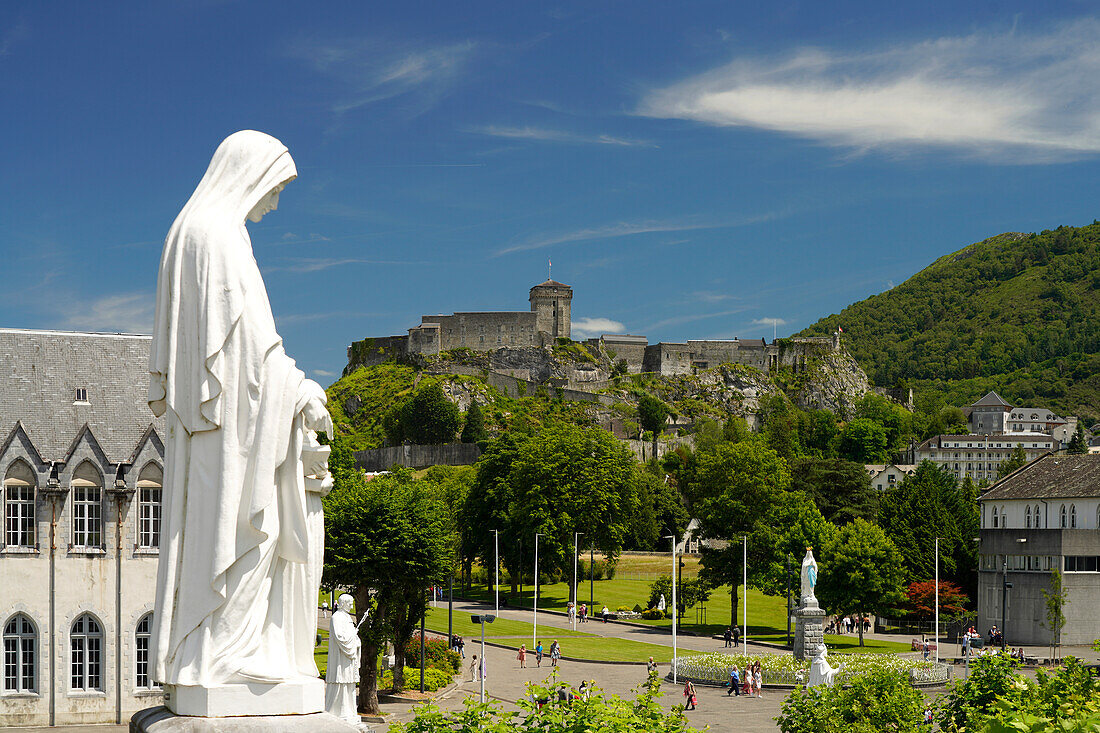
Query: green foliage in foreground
(598,713)
(881,701)
(996,700)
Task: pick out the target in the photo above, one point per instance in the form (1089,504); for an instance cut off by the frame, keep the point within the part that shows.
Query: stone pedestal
(809,631)
(162,720)
(301,697)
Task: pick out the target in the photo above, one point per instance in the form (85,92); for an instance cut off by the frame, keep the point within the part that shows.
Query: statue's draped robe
(808,577)
(821,673)
(233,601)
(342,671)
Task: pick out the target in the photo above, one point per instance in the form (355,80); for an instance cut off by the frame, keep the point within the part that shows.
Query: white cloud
(769,322)
(317,264)
(127,312)
(624,229)
(1024,97)
(590,327)
(558,136)
(375,70)
(324,373)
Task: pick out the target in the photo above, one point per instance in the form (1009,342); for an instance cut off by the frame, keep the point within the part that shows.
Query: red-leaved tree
(921,598)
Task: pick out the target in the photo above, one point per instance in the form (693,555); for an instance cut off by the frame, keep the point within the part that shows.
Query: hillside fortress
(549,320)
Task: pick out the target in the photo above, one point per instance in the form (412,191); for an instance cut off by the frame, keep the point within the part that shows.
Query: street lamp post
(937,600)
(535,607)
(482,666)
(788,599)
(745,595)
(576,599)
(674,612)
(496,568)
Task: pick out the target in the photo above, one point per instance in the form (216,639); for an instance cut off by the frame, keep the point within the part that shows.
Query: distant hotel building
(996,428)
(82,468)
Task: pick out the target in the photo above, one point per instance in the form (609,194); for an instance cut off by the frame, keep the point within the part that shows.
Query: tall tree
(1077,444)
(864,441)
(1017,459)
(427,417)
(861,571)
(841,489)
(473,430)
(924,506)
(387,539)
(652,415)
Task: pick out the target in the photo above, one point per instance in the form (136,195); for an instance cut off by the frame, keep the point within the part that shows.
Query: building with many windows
(81,464)
(991,415)
(979,456)
(1043,517)
(889,475)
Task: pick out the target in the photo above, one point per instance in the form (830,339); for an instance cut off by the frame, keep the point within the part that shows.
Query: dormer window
(81,395)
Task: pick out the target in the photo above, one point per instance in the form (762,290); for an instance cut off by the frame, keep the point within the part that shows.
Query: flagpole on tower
(549,268)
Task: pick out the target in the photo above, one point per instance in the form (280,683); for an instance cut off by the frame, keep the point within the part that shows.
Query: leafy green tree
(841,489)
(387,539)
(864,441)
(735,429)
(970,702)
(731,490)
(862,571)
(426,418)
(779,425)
(488,503)
(896,420)
(1016,460)
(1077,444)
(688,592)
(927,505)
(473,431)
(819,433)
(1055,600)
(652,415)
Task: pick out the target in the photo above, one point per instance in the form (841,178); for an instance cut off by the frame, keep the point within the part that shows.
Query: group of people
(747,682)
(567,695)
(458,645)
(579,613)
(995,636)
(732,635)
(845,624)
(555,654)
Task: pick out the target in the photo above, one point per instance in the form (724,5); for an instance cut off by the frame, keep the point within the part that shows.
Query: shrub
(880,701)
(434,679)
(436,653)
(652,614)
(970,701)
(627,609)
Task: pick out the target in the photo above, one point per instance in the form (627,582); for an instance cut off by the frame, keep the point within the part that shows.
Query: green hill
(1019,313)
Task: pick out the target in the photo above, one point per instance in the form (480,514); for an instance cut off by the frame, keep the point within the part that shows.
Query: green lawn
(502,627)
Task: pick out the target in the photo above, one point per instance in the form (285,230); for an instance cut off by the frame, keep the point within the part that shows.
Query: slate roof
(40,372)
(991,400)
(551,284)
(1052,476)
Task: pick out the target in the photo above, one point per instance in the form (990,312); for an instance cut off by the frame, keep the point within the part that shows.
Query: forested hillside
(1019,313)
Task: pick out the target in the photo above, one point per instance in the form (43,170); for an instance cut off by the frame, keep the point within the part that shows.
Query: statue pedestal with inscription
(809,632)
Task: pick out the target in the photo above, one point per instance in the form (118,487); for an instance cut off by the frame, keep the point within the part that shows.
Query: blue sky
(693,169)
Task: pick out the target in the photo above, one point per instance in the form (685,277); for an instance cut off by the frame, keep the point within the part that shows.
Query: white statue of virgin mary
(809,577)
(240,554)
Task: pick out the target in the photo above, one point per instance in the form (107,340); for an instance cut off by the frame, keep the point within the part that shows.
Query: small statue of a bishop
(344,649)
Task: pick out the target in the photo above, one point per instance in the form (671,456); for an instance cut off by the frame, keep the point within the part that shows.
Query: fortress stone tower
(551,302)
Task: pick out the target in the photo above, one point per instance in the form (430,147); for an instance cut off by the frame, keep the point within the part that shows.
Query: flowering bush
(784,669)
(436,652)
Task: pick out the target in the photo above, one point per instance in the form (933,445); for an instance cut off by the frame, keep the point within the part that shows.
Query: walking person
(555,653)
(727,636)
(585,690)
(538,654)
(736,635)
(651,667)
(746,681)
(473,669)
(522,656)
(735,682)
(689,695)
(758,679)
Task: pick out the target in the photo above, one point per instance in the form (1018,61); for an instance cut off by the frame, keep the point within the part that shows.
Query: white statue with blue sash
(809,577)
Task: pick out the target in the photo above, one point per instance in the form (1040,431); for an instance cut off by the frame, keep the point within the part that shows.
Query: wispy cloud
(541,134)
(769,322)
(625,229)
(589,327)
(1019,96)
(709,296)
(11,37)
(374,70)
(126,312)
(324,373)
(297,318)
(317,264)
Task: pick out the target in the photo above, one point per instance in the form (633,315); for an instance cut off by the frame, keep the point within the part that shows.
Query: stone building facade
(82,467)
(548,318)
(1044,517)
(992,415)
(668,359)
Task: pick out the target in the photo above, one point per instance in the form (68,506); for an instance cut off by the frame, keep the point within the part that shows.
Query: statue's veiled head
(248,171)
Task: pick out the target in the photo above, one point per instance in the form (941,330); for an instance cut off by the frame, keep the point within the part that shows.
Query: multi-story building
(991,415)
(81,465)
(1044,517)
(887,476)
(979,456)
